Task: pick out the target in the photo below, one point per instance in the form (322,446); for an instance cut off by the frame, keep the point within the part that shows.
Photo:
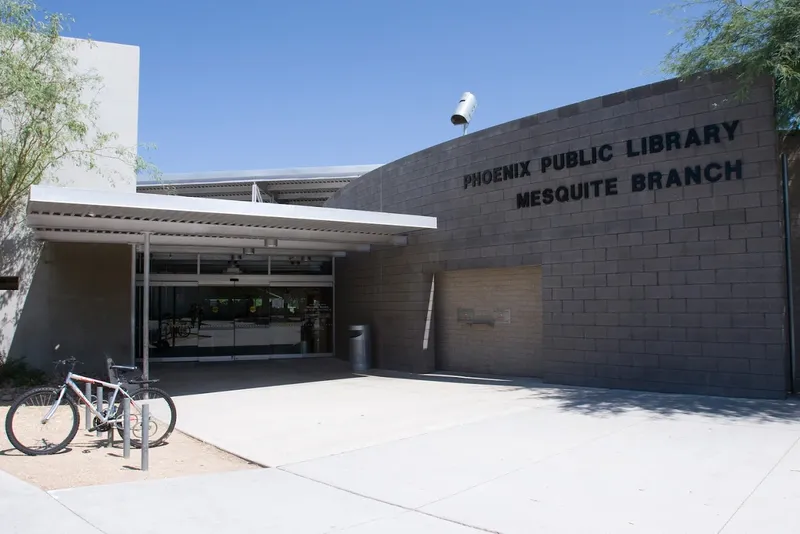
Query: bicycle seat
(123,367)
(143,381)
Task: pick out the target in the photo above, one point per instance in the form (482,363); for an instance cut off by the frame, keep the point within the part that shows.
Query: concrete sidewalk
(449,455)
(520,456)
(289,423)
(25,509)
(263,500)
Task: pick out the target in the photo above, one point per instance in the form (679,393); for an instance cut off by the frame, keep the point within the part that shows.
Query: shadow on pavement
(209,377)
(593,401)
(609,402)
(518,382)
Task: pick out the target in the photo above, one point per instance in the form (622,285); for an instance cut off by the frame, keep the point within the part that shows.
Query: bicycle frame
(69,382)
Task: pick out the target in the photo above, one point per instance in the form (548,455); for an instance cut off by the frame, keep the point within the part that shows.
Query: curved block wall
(654,215)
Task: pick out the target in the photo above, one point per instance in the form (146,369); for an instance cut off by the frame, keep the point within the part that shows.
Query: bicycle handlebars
(69,361)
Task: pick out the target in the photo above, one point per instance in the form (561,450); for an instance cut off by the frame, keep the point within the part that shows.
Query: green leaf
(753,39)
(46,116)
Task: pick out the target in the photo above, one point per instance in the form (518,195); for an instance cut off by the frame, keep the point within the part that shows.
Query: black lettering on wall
(693,174)
(708,172)
(638,183)
(611,186)
(572,159)
(710,133)
(736,169)
(730,128)
(654,180)
(674,179)
(656,144)
(630,150)
(692,138)
(673,141)
(712,172)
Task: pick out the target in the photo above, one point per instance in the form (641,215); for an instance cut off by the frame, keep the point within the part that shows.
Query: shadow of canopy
(210,377)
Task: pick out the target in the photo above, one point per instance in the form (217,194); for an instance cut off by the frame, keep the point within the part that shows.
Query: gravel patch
(87,461)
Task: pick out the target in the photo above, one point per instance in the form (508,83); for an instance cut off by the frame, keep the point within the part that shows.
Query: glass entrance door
(240,321)
(252,324)
(173,325)
(218,311)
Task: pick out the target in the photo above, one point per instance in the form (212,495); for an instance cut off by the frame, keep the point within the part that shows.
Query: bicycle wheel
(27,431)
(184,329)
(163,416)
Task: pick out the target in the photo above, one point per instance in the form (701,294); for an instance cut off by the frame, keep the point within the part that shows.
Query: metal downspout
(787,232)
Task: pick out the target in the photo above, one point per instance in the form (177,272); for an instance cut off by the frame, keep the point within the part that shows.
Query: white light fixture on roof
(464,111)
(270,242)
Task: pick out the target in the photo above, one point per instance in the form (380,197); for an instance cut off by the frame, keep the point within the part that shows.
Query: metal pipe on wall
(787,232)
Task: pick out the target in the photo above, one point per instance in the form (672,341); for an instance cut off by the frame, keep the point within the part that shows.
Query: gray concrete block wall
(80,301)
(674,289)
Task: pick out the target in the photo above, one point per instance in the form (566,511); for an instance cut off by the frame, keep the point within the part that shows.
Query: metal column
(146,308)
(133,304)
(333,306)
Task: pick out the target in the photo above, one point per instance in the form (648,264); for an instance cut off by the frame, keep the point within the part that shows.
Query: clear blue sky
(256,84)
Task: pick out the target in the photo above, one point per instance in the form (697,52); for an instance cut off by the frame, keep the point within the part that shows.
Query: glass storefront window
(239,320)
(261,264)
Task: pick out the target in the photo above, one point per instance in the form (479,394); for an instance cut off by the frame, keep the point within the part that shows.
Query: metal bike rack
(88,390)
(145,437)
(99,403)
(126,428)
(126,425)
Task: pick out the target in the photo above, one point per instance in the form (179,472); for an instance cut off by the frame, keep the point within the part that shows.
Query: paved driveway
(302,410)
(448,454)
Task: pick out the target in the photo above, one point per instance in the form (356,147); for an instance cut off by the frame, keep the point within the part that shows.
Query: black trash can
(360,357)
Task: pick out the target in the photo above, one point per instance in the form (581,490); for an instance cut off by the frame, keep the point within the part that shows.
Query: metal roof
(310,186)
(107,216)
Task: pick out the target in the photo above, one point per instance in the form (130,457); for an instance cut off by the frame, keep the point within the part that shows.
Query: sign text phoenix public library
(653,144)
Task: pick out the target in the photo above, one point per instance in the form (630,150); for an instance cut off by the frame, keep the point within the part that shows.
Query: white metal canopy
(108,216)
(309,186)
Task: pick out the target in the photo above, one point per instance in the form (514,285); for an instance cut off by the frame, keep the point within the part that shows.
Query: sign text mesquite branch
(653,144)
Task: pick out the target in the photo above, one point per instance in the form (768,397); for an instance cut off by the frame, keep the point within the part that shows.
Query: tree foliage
(48,110)
(751,39)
